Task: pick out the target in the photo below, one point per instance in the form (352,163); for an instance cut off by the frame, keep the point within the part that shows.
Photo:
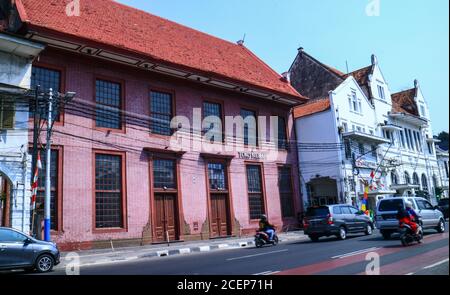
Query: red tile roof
(361,75)
(403,102)
(124,27)
(312,107)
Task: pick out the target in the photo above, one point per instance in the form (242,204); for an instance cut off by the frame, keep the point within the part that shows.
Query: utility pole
(47,169)
(35,130)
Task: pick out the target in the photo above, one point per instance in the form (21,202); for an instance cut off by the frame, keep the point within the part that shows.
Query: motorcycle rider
(409,217)
(266,227)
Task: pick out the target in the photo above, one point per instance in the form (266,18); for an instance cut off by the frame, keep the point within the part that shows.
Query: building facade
(16,57)
(370,138)
(442,158)
(133,159)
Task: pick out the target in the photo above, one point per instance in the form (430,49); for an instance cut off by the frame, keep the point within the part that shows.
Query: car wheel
(369,230)
(313,238)
(44,263)
(441,226)
(342,233)
(386,235)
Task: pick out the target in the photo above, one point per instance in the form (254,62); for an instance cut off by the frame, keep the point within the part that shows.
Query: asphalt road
(328,256)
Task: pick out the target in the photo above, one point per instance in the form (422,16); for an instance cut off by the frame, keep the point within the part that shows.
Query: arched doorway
(424,183)
(5,200)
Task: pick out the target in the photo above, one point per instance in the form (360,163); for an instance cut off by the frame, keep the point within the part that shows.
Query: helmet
(264,217)
(408,204)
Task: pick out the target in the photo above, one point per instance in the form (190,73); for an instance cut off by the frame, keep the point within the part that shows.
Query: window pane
(255,196)
(160,113)
(164,173)
(254,178)
(213,110)
(108,98)
(282,136)
(46,79)
(250,132)
(40,196)
(285,188)
(216,175)
(108,196)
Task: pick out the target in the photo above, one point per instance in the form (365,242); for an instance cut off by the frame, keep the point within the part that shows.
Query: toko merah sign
(251,156)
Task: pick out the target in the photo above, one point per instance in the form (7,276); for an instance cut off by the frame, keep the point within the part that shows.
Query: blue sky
(409,37)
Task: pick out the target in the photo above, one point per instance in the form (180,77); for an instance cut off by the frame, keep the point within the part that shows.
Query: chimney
(416,83)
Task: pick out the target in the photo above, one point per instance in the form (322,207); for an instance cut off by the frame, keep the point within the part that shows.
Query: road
(328,257)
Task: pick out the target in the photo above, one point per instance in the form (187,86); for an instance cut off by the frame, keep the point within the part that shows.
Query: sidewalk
(110,255)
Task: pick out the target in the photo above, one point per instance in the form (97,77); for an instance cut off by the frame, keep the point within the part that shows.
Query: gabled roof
(312,107)
(361,75)
(161,40)
(404,102)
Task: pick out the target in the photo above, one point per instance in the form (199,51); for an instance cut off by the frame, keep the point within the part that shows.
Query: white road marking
(436,264)
(355,253)
(266,273)
(221,246)
(409,274)
(254,255)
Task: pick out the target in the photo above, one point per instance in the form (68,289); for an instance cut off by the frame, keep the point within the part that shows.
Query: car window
(390,205)
(353,210)
(424,205)
(7,235)
(337,210)
(345,210)
(317,211)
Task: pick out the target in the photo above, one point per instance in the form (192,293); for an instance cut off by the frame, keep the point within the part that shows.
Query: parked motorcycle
(261,239)
(408,236)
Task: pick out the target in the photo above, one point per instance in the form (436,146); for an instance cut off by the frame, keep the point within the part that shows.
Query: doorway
(219,203)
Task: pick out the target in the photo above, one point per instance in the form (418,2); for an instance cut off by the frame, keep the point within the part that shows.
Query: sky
(409,37)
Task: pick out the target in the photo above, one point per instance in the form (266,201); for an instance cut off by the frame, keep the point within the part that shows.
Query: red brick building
(115,175)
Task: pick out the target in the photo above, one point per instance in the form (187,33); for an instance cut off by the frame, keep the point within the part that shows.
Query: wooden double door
(220,223)
(166,217)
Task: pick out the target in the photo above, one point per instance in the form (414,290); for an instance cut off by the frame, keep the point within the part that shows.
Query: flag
(34,186)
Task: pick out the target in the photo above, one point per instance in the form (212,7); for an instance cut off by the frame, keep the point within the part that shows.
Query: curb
(174,252)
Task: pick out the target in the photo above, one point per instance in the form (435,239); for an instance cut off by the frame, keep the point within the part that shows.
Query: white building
(442,158)
(354,133)
(16,56)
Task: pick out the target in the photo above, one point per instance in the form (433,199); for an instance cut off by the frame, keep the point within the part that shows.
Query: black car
(20,251)
(443,206)
(335,220)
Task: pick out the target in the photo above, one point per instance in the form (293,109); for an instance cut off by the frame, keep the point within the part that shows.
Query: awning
(404,187)
(391,127)
(365,137)
(414,120)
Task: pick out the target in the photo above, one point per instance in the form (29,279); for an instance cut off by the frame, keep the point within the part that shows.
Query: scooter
(261,239)
(408,236)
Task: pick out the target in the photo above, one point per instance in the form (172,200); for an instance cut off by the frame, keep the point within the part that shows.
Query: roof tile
(124,27)
(312,107)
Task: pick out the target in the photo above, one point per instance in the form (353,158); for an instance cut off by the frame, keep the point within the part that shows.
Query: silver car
(387,209)
(20,251)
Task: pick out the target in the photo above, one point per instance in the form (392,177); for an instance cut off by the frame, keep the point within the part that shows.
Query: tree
(443,137)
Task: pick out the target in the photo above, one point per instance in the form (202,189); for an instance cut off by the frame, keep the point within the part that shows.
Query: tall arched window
(407,178)
(416,179)
(394,178)
(424,183)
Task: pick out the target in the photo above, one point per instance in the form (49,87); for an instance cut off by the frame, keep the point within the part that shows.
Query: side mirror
(27,241)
